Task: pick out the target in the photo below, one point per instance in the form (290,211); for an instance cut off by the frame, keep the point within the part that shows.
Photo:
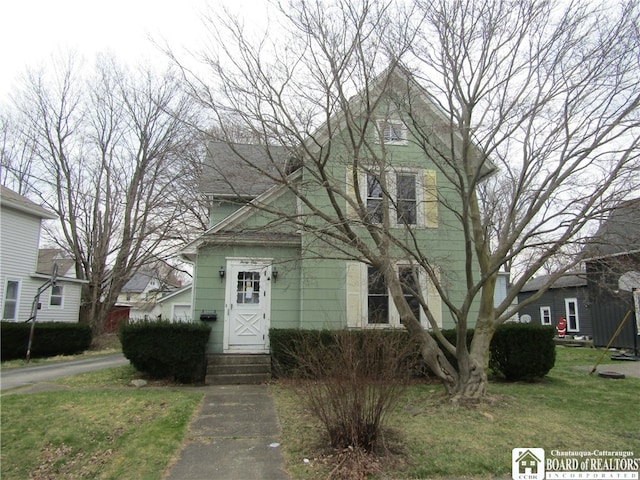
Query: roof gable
(619,234)
(11,199)
(47,257)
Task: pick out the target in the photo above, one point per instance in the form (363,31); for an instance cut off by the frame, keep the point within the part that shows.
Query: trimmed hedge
(49,339)
(518,351)
(163,349)
(287,345)
(523,351)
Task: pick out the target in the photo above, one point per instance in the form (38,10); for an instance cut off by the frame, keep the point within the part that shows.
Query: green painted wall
(311,292)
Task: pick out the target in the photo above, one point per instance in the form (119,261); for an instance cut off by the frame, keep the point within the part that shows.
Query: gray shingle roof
(241,170)
(565,281)
(48,256)
(11,199)
(620,233)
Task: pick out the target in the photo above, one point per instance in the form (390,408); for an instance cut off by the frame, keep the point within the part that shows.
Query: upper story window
(393,132)
(56,296)
(403,195)
(406,204)
(11,294)
(374,199)
(411,194)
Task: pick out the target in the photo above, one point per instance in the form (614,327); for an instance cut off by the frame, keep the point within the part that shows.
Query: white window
(571,314)
(377,298)
(406,199)
(369,302)
(411,195)
(405,192)
(393,132)
(56,296)
(545,315)
(381,310)
(11,295)
(374,199)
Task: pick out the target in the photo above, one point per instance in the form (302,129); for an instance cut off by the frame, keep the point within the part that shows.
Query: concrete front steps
(238,369)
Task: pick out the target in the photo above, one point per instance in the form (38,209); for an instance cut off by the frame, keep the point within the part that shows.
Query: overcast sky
(31,31)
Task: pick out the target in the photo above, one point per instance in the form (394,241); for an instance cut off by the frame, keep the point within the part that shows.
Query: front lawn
(95,427)
(570,410)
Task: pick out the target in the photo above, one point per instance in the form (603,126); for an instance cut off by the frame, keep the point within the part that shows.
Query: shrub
(287,345)
(163,349)
(49,339)
(350,380)
(523,351)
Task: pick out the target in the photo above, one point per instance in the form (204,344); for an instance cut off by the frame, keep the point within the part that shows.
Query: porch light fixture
(274,274)
(221,272)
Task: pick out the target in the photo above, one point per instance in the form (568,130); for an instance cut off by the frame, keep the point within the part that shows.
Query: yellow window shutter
(434,302)
(351,192)
(430,199)
(354,289)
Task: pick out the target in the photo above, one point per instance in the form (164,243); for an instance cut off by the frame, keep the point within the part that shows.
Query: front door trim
(233,266)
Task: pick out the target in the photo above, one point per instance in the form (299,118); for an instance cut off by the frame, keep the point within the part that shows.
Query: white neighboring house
(141,294)
(176,306)
(20,276)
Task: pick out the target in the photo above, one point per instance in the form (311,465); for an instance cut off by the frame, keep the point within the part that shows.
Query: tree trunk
(471,384)
(473,364)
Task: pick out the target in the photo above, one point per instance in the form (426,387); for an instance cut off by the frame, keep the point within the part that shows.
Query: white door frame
(234,265)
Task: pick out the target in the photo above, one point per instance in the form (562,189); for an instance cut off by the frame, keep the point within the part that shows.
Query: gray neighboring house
(612,259)
(24,269)
(567,297)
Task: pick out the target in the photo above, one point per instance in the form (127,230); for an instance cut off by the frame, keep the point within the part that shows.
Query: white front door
(247,306)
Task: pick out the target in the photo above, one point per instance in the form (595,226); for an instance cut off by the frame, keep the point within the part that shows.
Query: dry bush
(353,381)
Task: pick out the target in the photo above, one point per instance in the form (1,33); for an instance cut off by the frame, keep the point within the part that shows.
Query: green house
(270,257)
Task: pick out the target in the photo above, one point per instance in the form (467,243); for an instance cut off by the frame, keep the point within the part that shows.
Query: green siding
(311,292)
(323,294)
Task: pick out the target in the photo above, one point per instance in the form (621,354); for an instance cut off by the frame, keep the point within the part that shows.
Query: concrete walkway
(234,435)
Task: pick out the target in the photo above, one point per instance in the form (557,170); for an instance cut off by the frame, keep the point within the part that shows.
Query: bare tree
(542,94)
(16,158)
(113,149)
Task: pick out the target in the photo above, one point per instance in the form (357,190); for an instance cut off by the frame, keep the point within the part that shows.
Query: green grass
(569,410)
(94,427)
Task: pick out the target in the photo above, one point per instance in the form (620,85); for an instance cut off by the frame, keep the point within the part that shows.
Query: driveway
(628,368)
(21,376)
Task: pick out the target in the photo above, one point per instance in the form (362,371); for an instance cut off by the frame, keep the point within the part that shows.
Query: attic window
(393,132)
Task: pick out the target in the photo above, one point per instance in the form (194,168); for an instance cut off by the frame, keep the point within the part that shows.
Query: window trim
(392,185)
(52,296)
(545,312)
(394,315)
(567,302)
(396,126)
(16,310)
